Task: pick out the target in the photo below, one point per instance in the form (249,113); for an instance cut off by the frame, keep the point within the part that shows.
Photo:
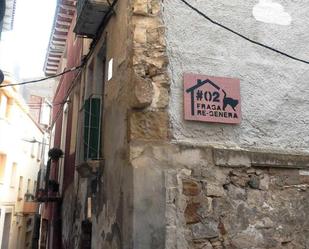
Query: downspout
(2,9)
(2,13)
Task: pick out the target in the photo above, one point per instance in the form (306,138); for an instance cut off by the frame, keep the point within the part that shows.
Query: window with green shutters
(92,128)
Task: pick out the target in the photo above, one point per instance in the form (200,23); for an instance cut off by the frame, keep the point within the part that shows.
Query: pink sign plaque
(212,99)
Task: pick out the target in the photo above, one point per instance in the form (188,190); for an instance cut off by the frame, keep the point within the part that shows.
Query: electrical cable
(64,98)
(46,78)
(87,57)
(193,8)
(47,104)
(243,36)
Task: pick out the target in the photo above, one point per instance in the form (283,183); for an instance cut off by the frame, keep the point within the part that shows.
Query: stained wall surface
(273,87)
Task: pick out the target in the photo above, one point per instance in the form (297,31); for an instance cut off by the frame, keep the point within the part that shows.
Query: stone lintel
(231,158)
(246,158)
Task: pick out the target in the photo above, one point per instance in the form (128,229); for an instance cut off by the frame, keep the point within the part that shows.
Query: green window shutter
(86,127)
(92,128)
(94,133)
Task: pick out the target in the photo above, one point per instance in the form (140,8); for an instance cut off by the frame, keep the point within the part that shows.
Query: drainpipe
(1,73)
(2,12)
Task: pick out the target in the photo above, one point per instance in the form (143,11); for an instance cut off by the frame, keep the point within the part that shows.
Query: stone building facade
(156,180)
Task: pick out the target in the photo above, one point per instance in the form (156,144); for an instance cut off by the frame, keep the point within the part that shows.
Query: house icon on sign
(198,85)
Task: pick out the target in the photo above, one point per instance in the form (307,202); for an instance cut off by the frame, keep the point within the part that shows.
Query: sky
(23,50)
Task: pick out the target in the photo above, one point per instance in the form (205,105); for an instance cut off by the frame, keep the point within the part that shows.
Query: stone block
(159,63)
(264,223)
(221,228)
(143,92)
(155,7)
(285,177)
(161,97)
(170,214)
(191,213)
(250,238)
(140,7)
(139,69)
(216,243)
(171,237)
(215,190)
(191,187)
(206,230)
(240,179)
(254,182)
(154,35)
(139,35)
(236,193)
(231,158)
(170,179)
(244,158)
(171,194)
(205,208)
(204,244)
(189,157)
(264,182)
(149,125)
(146,21)
(185,172)
(181,241)
(136,151)
(266,159)
(162,79)
(255,198)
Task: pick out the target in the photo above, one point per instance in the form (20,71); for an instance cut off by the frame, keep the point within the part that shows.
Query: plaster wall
(273,88)
(111,212)
(18,151)
(16,130)
(110,189)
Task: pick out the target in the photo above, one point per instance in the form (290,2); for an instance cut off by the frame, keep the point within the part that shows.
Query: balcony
(90,14)
(43,196)
(30,207)
(49,194)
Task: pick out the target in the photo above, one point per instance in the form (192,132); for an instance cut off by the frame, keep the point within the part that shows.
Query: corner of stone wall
(148,117)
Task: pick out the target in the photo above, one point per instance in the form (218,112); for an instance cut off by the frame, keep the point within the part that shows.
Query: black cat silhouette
(229,101)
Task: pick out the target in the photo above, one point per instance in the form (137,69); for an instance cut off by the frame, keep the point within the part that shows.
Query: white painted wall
(14,130)
(274,89)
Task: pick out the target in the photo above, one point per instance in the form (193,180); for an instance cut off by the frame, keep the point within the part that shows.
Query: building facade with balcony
(20,159)
(141,168)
